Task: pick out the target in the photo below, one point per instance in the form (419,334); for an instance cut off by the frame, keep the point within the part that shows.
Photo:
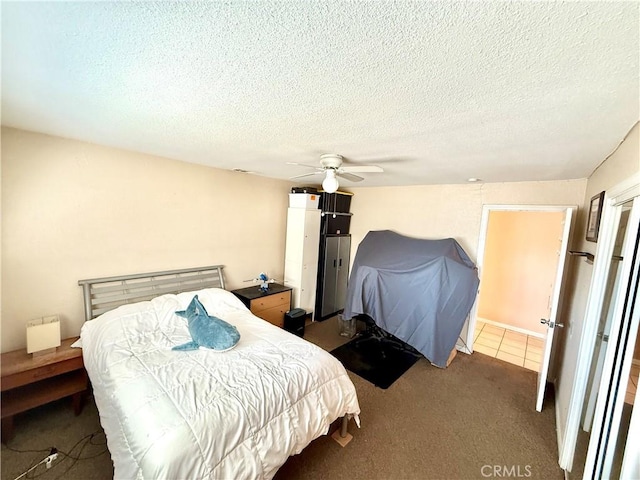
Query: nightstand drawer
(274,315)
(271,301)
(270,305)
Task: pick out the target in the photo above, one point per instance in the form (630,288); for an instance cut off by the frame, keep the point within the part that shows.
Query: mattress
(205,414)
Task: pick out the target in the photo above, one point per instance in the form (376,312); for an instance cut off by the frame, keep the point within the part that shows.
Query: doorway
(517,279)
(521,258)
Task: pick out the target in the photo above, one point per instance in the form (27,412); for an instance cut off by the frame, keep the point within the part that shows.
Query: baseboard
(511,327)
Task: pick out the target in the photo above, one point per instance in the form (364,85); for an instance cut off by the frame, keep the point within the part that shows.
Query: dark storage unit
(335,224)
(333,256)
(336,219)
(333,275)
(335,202)
(294,321)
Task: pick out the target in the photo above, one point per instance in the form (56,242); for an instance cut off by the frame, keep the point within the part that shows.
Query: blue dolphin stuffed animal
(207,331)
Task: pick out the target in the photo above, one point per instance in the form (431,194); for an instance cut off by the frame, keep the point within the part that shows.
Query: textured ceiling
(432,92)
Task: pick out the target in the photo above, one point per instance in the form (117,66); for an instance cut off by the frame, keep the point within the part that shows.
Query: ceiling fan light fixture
(330,183)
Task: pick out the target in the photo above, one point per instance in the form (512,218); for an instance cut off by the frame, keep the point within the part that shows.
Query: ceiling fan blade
(315,167)
(362,169)
(305,175)
(349,176)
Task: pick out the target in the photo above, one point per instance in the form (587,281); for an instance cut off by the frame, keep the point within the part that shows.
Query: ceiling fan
(331,165)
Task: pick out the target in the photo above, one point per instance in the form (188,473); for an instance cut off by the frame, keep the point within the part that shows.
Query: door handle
(544,321)
(334,263)
(340,264)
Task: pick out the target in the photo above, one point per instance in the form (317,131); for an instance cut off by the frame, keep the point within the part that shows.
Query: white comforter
(202,414)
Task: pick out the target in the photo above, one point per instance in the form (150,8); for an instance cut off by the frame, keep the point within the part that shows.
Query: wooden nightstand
(28,382)
(270,305)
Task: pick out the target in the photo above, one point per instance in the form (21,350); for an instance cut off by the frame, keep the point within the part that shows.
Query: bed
(421,291)
(202,414)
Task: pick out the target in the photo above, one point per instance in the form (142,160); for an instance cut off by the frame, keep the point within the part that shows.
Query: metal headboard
(104,294)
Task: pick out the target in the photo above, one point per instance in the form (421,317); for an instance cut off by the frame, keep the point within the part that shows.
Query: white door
(552,322)
(604,329)
(571,396)
(608,441)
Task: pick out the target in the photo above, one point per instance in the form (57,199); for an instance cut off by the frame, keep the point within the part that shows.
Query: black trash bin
(294,321)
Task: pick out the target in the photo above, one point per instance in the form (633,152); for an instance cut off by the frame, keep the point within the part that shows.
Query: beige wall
(442,211)
(519,268)
(621,165)
(73,210)
(449,211)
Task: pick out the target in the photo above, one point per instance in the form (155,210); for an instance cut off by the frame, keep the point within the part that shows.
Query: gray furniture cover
(420,291)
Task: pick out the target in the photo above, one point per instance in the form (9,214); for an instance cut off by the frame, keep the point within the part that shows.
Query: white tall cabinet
(301,256)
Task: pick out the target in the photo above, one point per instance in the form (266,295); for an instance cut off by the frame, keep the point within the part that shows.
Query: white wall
(621,165)
(72,210)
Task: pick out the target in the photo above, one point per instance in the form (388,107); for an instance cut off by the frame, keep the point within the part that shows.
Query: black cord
(88,439)
(75,458)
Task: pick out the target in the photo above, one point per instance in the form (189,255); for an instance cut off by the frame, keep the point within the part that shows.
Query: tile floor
(513,347)
(526,351)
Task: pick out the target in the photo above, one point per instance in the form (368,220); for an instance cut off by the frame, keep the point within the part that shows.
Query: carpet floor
(474,419)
